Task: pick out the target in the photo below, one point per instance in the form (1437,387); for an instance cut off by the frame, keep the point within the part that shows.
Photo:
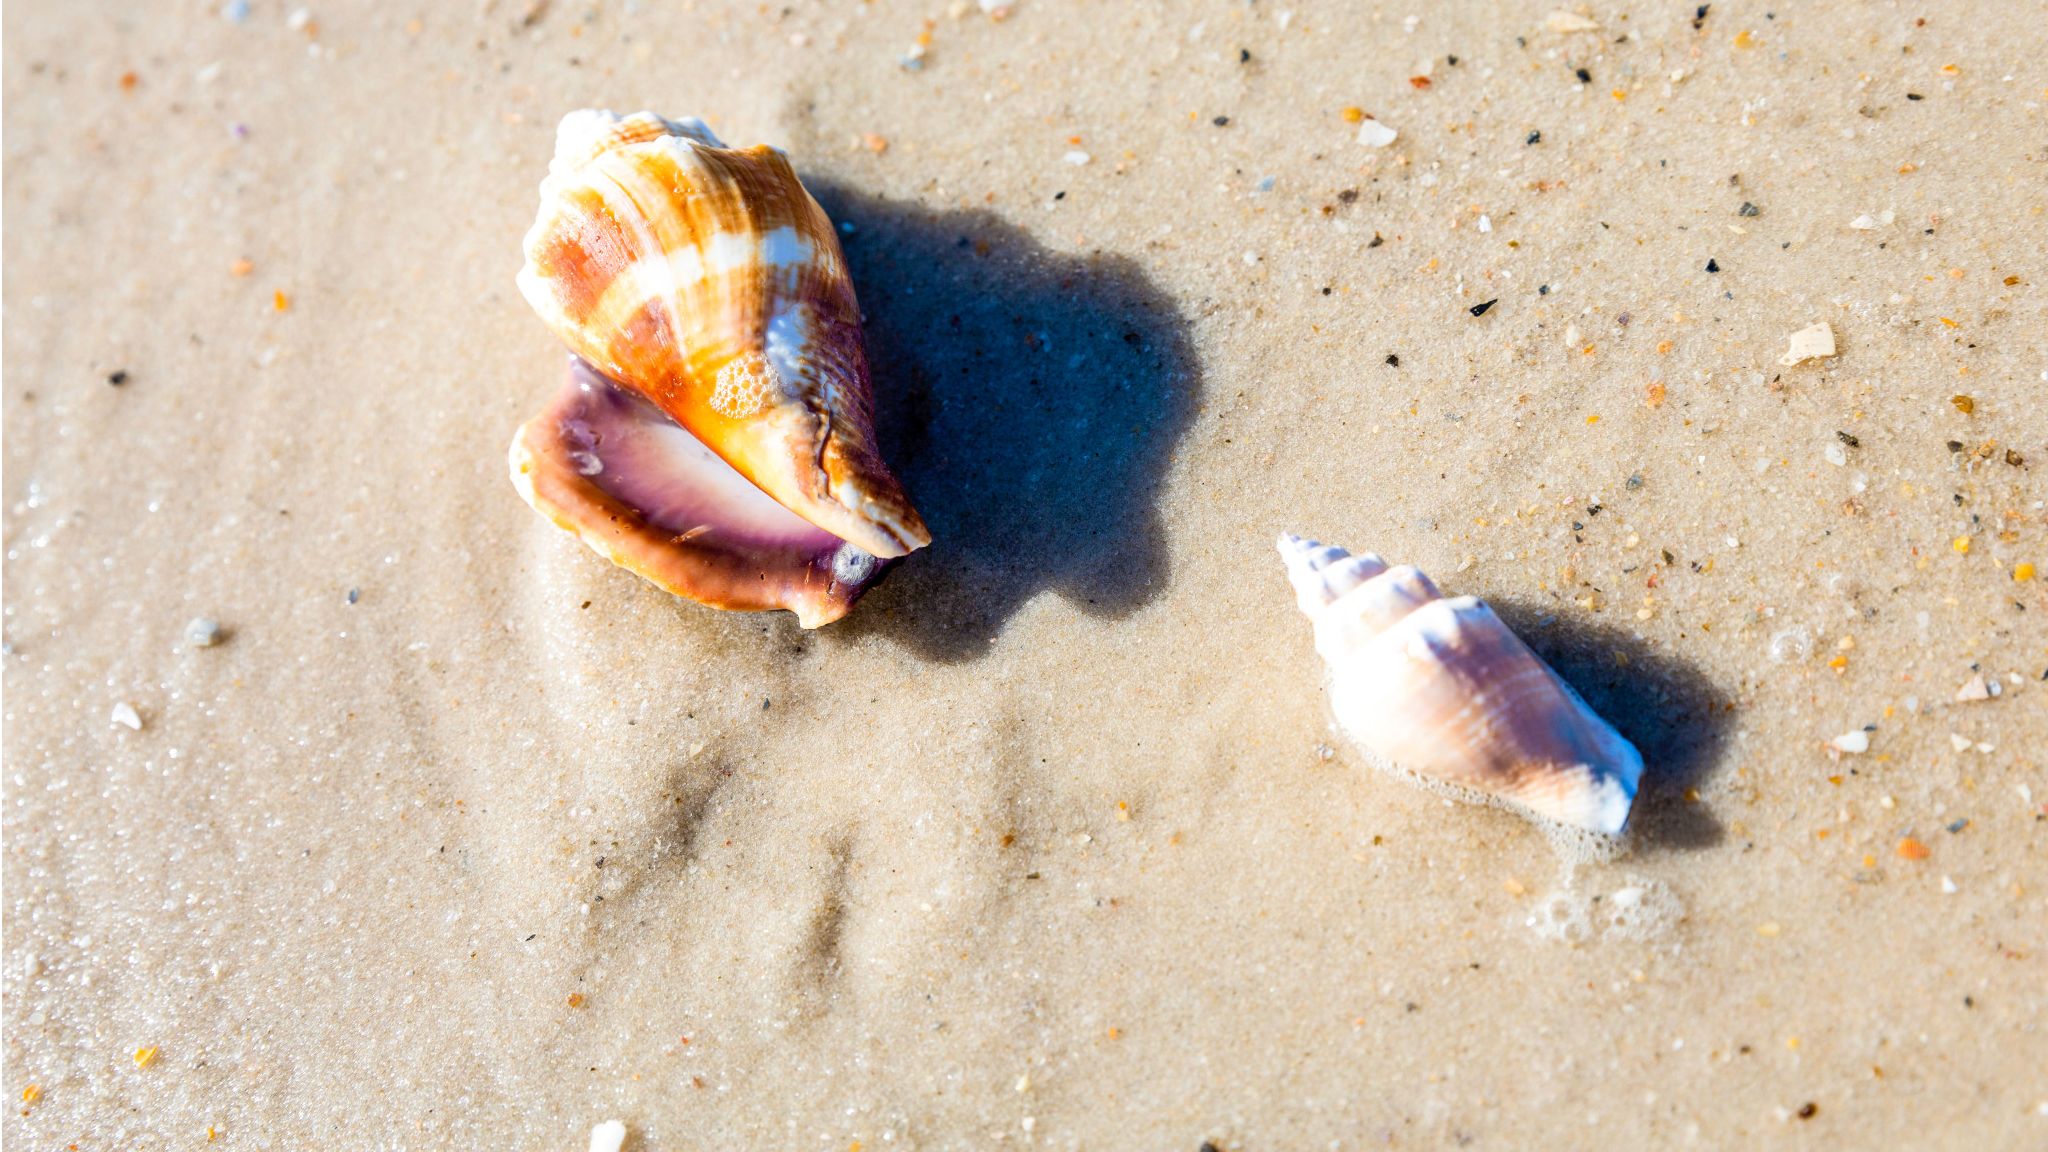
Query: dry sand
(460,838)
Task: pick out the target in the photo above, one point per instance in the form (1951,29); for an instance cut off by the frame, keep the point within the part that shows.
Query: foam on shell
(1440,690)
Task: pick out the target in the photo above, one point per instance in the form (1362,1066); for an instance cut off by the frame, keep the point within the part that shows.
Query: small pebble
(202,632)
(118,377)
(1855,743)
(1480,309)
(126,716)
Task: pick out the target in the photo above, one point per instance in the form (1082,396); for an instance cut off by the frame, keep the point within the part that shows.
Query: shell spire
(1441,690)
(705,283)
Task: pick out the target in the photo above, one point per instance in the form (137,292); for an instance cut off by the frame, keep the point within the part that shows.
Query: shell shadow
(1676,717)
(1030,401)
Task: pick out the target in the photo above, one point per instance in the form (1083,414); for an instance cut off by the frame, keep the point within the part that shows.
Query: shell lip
(614,470)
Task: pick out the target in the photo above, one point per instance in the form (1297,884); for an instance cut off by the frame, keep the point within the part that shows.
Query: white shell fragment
(1855,743)
(1440,690)
(1813,342)
(1562,21)
(609,1136)
(1374,134)
(202,632)
(126,716)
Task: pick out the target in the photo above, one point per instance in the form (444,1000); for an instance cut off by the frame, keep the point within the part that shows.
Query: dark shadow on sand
(1674,716)
(1030,401)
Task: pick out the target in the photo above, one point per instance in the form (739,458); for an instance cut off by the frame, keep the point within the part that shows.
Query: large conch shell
(1440,690)
(715,434)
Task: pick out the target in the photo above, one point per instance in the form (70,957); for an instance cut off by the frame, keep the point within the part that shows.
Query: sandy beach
(458,837)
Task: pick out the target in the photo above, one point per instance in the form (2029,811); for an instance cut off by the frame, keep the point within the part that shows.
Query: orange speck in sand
(31,1094)
(1419,82)
(1654,394)
(874,142)
(129,80)
(1116,1033)
(241,268)
(1354,114)
(144,1057)
(280,301)
(1911,849)
(1947,321)
(1592,419)
(2023,572)
(575,999)
(1961,544)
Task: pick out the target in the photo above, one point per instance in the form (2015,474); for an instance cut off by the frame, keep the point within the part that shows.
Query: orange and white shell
(1441,690)
(706,285)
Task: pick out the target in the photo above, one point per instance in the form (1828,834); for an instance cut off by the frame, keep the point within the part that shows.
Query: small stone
(1747,209)
(202,632)
(1077,158)
(1854,743)
(1959,742)
(126,716)
(1974,689)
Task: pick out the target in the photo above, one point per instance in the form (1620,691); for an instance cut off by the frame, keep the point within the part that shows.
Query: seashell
(1440,690)
(715,434)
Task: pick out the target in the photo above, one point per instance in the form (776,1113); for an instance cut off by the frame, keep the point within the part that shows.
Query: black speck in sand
(1221,121)
(1584,76)
(1393,361)
(1747,209)
(1480,309)
(118,378)
(1535,137)
(1713,266)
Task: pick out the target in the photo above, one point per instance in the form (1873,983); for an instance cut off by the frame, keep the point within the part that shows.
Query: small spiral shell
(1442,690)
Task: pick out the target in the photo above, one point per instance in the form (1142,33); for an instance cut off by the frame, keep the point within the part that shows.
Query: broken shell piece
(1855,743)
(126,716)
(1974,689)
(706,301)
(1374,134)
(609,1136)
(1562,21)
(1442,692)
(1813,342)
